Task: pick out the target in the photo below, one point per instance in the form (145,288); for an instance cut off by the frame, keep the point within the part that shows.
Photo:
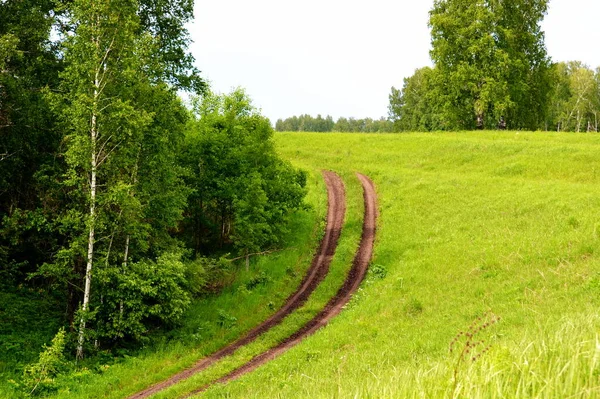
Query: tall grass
(561,360)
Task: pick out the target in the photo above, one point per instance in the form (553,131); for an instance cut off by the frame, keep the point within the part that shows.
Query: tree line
(491,70)
(116,199)
(307,123)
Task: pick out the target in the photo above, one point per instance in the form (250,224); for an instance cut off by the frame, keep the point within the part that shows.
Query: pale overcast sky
(341,57)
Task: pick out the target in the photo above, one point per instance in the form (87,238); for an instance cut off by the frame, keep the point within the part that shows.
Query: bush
(225,320)
(145,294)
(206,275)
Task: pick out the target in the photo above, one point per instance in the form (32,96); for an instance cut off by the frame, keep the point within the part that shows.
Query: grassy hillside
(472,225)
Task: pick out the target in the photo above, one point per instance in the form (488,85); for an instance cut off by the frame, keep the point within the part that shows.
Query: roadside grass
(470,223)
(210,323)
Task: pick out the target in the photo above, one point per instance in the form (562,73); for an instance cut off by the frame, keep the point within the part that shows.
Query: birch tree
(103,58)
(491,61)
(575,98)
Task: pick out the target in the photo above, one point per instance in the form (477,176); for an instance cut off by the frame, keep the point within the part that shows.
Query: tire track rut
(336,304)
(319,268)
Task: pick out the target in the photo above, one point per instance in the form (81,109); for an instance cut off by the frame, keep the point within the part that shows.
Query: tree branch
(260,253)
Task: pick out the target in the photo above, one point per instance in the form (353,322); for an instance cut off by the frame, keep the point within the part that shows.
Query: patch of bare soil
(316,273)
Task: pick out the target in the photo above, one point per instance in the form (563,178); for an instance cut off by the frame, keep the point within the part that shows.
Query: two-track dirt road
(336,304)
(319,268)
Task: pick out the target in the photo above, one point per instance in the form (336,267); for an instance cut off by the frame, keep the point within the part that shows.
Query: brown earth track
(319,268)
(336,304)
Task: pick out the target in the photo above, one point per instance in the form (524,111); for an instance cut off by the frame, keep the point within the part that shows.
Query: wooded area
(116,200)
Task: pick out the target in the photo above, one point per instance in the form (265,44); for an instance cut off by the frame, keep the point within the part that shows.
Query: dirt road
(336,304)
(318,270)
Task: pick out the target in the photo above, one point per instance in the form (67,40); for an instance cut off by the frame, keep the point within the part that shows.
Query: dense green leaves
(412,108)
(490,64)
(29,140)
(97,170)
(243,191)
(40,376)
(146,293)
(491,58)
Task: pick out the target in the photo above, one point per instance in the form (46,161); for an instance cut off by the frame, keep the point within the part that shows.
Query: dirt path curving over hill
(319,268)
(337,303)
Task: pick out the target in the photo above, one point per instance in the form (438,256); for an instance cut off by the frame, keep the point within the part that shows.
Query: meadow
(490,226)
(488,243)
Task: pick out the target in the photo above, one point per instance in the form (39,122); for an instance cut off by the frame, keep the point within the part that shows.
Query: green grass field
(470,223)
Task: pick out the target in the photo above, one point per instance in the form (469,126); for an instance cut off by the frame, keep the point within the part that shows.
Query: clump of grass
(225,320)
(413,307)
(260,279)
(468,344)
(377,272)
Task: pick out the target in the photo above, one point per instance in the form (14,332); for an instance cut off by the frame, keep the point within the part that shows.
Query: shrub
(207,275)
(257,280)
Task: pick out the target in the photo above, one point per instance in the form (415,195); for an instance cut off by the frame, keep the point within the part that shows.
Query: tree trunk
(90,252)
(92,210)
(479,121)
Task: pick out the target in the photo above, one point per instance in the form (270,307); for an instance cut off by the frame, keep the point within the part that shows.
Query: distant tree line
(307,123)
(491,71)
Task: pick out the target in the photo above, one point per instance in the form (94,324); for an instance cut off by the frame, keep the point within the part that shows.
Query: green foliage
(305,123)
(166,21)
(490,64)
(207,275)
(28,165)
(575,103)
(226,320)
(413,108)
(145,294)
(243,192)
(377,272)
(29,317)
(261,279)
(39,377)
(90,89)
(492,60)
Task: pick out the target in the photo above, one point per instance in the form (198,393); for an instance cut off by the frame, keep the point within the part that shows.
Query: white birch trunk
(92,214)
